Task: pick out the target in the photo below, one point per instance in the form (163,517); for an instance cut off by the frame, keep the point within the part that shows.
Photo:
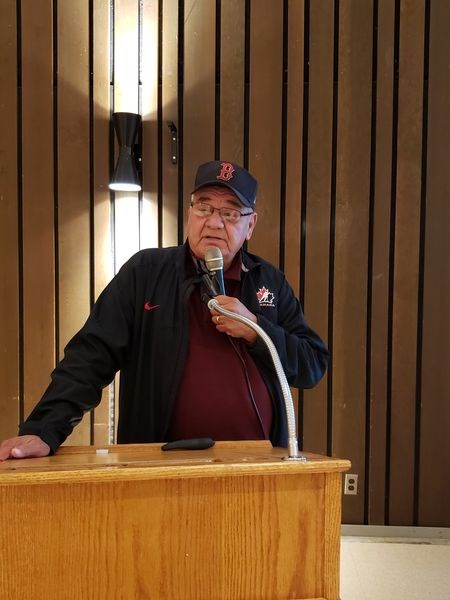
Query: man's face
(203,232)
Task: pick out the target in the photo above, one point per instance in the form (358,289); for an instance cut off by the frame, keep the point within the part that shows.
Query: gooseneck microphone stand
(288,403)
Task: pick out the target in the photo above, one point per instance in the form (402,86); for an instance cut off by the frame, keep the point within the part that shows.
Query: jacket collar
(248,262)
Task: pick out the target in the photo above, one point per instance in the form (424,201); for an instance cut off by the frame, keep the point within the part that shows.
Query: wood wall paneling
(232,74)
(198,90)
(149,101)
(434,473)
(381,227)
(294,135)
(169,183)
(9,248)
(336,142)
(351,241)
(101,226)
(38,199)
(406,263)
(294,156)
(266,80)
(102,263)
(73,143)
(319,90)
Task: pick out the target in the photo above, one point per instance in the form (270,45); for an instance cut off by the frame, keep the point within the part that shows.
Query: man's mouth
(212,238)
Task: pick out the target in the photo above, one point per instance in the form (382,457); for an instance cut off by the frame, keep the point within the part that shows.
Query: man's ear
(251,226)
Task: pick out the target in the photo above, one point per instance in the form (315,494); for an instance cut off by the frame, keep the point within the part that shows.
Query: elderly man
(185,370)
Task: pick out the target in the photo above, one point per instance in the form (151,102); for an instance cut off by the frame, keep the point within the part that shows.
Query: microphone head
(213,259)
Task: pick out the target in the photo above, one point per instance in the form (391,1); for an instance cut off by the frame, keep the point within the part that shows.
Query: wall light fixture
(125,177)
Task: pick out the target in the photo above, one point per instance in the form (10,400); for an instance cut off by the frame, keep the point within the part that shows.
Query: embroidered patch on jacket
(265,297)
(148,306)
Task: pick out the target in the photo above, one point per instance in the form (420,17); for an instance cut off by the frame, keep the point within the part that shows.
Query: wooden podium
(232,522)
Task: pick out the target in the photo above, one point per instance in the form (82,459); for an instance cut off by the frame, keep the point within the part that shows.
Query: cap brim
(214,182)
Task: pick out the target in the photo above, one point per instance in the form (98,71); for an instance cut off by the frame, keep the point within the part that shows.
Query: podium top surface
(77,464)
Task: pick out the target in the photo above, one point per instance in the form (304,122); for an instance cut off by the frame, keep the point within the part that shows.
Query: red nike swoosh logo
(148,306)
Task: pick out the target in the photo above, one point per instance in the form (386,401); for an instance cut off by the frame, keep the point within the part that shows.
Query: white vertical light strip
(126,226)
(126,99)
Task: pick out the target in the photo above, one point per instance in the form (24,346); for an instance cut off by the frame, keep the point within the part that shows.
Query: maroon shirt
(221,391)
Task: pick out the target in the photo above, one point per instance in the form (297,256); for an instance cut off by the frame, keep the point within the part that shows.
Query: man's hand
(24,446)
(231,327)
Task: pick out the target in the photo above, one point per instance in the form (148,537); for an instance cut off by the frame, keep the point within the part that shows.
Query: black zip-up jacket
(139,325)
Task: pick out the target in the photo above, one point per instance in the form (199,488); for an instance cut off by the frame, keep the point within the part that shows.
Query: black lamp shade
(125,177)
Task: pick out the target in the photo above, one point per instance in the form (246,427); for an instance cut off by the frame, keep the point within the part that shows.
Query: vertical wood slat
(294,154)
(199,90)
(406,262)
(38,198)
(149,87)
(73,178)
(266,80)
(101,209)
(9,255)
(294,133)
(380,263)
(351,241)
(169,183)
(318,206)
(434,472)
(232,80)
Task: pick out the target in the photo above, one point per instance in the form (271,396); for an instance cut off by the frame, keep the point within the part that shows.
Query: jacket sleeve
(91,359)
(302,352)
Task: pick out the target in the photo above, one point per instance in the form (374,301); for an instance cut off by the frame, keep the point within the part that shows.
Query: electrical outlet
(351,484)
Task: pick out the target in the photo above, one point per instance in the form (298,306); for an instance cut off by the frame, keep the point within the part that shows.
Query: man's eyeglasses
(230,215)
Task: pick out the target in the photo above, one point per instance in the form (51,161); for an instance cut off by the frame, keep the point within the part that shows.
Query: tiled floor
(394,569)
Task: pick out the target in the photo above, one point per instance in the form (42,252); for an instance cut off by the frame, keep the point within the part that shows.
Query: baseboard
(397,532)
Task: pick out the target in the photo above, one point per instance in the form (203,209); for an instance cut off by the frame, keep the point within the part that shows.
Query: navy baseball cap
(230,175)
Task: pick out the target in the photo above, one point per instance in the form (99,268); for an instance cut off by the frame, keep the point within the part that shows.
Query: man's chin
(211,241)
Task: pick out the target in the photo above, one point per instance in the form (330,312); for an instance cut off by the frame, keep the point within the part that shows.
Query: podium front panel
(232,522)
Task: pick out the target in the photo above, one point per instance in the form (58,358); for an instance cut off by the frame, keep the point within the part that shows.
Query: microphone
(214,264)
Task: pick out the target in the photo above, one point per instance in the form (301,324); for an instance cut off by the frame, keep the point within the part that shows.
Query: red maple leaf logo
(262,294)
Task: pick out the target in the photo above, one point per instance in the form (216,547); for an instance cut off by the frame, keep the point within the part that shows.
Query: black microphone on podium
(214,264)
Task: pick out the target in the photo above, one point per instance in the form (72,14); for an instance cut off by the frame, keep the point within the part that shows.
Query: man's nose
(215,219)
